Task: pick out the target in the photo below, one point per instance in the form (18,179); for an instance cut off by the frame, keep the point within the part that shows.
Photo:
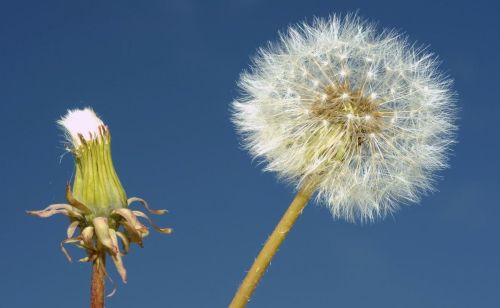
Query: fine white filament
(80,122)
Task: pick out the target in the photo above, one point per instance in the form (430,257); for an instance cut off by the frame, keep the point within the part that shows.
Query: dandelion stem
(274,241)
(97,284)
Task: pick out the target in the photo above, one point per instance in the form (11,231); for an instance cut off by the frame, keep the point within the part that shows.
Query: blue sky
(162,75)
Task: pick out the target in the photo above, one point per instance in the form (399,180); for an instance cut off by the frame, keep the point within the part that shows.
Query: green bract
(96,183)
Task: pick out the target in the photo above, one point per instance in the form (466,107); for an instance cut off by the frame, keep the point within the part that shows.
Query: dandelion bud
(97,203)
(96,183)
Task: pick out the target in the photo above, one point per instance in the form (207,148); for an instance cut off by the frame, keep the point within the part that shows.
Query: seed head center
(349,108)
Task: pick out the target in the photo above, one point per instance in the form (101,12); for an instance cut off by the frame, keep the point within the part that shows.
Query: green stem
(274,241)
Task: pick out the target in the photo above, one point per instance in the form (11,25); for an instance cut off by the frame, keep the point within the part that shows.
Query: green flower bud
(96,183)
(97,204)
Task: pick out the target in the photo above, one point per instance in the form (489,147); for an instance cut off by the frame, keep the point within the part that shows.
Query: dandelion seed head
(379,116)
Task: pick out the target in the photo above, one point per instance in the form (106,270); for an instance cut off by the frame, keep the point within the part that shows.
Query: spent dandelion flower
(360,118)
(97,205)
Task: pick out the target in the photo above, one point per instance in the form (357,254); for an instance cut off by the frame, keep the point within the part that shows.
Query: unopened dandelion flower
(362,119)
(364,116)
(97,204)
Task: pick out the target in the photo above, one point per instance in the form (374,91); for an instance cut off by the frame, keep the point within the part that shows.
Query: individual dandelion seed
(360,118)
(97,204)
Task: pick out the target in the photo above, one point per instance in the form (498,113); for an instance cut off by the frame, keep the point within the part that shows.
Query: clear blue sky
(162,75)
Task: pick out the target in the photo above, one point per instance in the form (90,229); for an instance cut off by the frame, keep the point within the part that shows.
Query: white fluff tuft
(81,122)
(362,115)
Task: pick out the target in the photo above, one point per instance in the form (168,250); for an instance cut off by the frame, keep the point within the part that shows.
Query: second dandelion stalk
(97,283)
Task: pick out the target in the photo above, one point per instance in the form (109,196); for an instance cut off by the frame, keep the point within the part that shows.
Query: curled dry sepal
(97,205)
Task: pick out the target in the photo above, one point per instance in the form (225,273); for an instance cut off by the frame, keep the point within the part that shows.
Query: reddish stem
(97,284)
